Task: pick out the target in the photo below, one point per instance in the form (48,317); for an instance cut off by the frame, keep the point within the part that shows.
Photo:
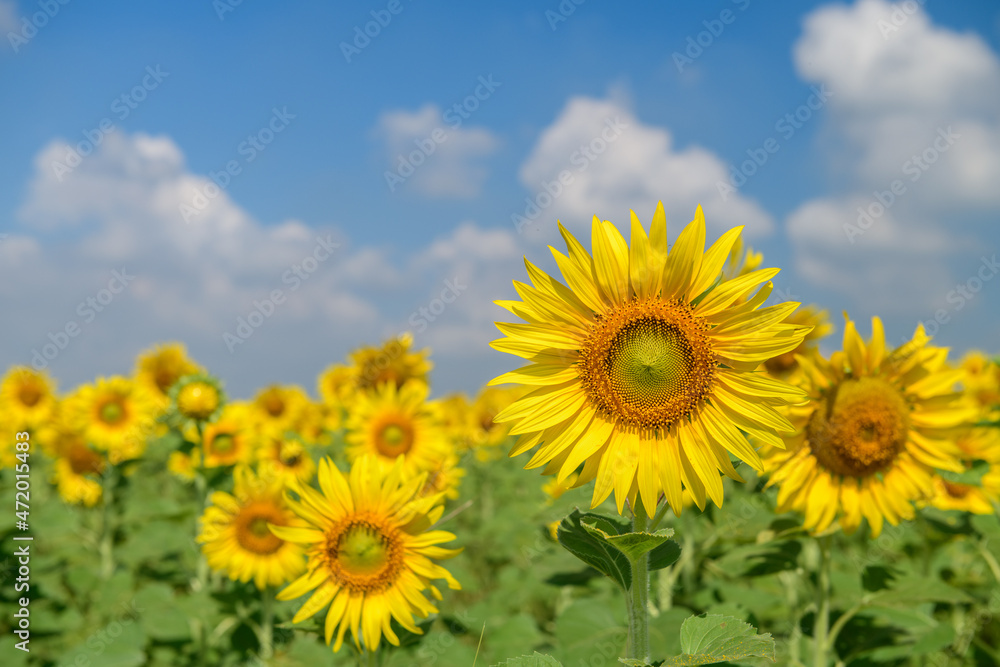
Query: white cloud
(614,162)
(119,209)
(915,107)
(432,157)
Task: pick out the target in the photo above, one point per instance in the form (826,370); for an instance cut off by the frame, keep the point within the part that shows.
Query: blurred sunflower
(195,398)
(184,465)
(116,415)
(391,422)
(159,368)
(27,397)
(444,478)
(285,459)
(877,425)
(227,441)
(372,366)
(982,382)
(236,537)
(370,551)
(78,468)
(486,434)
(977,444)
(784,365)
(645,364)
(277,409)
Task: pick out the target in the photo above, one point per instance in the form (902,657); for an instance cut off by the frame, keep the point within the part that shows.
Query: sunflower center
(223,443)
(862,428)
(289,454)
(274,405)
(365,556)
(252,532)
(393,439)
(82,460)
(955,490)
(649,363)
(165,378)
(29,394)
(112,412)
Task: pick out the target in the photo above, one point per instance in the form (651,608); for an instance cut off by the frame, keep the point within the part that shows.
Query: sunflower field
(675,474)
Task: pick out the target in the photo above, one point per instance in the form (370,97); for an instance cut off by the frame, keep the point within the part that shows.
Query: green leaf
(593,551)
(914,590)
(714,638)
(535,660)
(633,545)
(877,577)
(972,477)
(664,555)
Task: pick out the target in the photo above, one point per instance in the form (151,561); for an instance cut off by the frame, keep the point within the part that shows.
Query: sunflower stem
(821,629)
(638,594)
(107,539)
(267,623)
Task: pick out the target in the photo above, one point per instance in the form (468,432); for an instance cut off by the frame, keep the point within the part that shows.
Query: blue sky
(897,78)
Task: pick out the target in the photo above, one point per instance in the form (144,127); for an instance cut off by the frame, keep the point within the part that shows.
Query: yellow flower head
(236,537)
(373,366)
(116,415)
(982,381)
(229,440)
(27,397)
(285,459)
(78,468)
(371,553)
(196,398)
(444,478)
(878,423)
(159,368)
(278,409)
(644,362)
(184,465)
(785,365)
(391,423)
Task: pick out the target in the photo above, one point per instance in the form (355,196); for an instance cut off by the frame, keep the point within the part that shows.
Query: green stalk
(107,539)
(267,623)
(821,629)
(638,594)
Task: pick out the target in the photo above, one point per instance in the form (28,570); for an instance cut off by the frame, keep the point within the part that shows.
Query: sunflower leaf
(587,544)
(633,545)
(535,660)
(714,638)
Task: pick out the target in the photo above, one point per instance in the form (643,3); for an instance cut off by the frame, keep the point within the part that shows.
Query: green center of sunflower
(223,443)
(394,439)
(860,429)
(648,363)
(112,412)
(362,550)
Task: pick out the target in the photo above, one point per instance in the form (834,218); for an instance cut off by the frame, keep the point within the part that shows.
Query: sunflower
(116,415)
(27,397)
(444,478)
(785,365)
(229,440)
(195,398)
(159,368)
(373,366)
(486,434)
(284,458)
(876,427)
(78,469)
(277,409)
(391,423)
(370,551)
(644,364)
(184,465)
(977,444)
(236,538)
(982,382)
